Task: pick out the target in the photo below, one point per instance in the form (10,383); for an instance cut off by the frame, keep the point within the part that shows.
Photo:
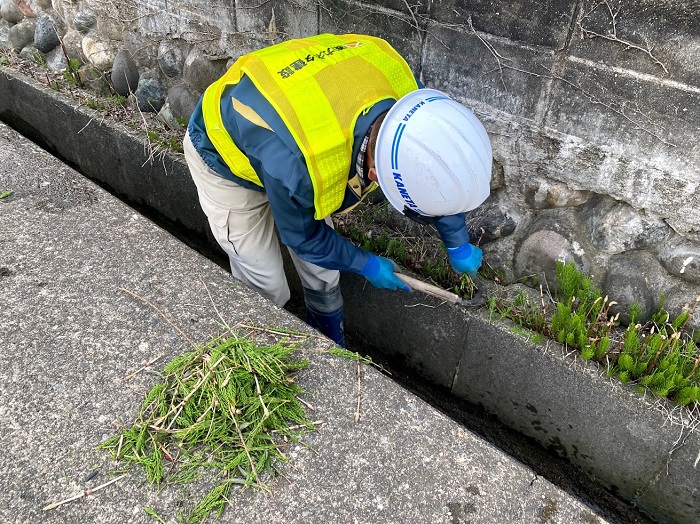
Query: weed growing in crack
(524,311)
(72,73)
(105,104)
(164,143)
(39,59)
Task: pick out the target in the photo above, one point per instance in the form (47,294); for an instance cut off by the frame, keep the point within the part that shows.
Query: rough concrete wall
(590,106)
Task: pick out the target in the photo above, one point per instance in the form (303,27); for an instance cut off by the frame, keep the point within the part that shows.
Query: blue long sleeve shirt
(281,167)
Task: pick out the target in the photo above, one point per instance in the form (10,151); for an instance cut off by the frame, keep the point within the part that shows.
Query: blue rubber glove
(465,258)
(380,273)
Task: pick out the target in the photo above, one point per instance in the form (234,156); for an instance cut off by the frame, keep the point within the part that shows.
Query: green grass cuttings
(352,355)
(659,355)
(228,406)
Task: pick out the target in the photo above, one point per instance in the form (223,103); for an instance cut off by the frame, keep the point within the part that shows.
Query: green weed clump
(228,406)
(659,355)
(582,318)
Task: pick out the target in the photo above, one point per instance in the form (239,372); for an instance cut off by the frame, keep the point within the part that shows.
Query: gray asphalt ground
(91,291)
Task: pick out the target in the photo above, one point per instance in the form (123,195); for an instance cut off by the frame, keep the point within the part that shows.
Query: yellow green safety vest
(319,86)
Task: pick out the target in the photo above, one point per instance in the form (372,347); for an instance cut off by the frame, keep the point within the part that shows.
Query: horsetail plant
(228,406)
(660,355)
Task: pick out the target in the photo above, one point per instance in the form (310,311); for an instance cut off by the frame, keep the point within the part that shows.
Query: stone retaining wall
(590,106)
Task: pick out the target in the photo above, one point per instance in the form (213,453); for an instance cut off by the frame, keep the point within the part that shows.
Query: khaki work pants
(242,223)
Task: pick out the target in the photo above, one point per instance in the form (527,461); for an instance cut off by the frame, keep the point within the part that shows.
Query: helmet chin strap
(417,217)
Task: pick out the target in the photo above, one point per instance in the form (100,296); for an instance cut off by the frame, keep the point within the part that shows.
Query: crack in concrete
(465,344)
(558,64)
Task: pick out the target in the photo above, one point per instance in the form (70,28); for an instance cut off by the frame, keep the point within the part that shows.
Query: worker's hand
(465,258)
(380,272)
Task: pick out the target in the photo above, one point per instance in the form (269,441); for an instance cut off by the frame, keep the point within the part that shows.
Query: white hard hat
(433,156)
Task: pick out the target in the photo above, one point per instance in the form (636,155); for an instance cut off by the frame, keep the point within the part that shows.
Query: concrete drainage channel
(636,448)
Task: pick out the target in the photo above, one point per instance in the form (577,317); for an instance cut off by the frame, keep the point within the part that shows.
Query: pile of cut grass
(230,406)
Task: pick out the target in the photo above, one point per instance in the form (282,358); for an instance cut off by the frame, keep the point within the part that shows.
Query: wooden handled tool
(477,300)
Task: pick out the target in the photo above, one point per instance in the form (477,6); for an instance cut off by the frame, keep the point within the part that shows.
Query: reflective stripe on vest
(318,104)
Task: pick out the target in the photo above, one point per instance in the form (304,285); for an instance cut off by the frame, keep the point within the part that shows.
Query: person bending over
(300,130)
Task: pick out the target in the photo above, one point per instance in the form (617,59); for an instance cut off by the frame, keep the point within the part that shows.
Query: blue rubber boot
(324,311)
(330,324)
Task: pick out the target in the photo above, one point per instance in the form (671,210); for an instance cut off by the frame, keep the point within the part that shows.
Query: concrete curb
(641,448)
